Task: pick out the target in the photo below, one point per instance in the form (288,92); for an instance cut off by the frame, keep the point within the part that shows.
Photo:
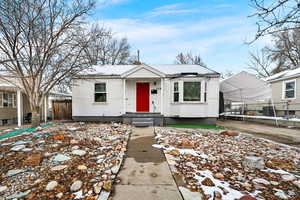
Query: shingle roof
(166,69)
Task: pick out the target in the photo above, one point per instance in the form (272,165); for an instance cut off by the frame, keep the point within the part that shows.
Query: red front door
(142,97)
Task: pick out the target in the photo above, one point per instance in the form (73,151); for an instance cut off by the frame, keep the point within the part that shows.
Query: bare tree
(286,49)
(276,15)
(105,49)
(261,63)
(189,58)
(41,43)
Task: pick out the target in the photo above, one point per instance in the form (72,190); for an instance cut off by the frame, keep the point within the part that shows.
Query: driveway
(278,134)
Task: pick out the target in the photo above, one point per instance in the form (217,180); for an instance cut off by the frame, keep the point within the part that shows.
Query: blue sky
(160,29)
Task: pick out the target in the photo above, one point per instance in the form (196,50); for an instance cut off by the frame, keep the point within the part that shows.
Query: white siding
(83,98)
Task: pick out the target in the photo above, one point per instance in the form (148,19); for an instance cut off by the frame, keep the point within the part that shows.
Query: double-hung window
(176,92)
(289,89)
(192,91)
(205,91)
(100,92)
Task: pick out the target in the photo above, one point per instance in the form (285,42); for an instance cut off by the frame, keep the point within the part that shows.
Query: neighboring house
(286,90)
(165,94)
(9,104)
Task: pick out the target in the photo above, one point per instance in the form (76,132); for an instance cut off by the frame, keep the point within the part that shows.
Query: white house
(164,94)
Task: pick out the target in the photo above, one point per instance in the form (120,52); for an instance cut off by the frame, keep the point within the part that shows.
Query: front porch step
(142,122)
(142,115)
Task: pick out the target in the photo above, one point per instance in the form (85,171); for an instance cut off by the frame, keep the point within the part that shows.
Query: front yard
(210,165)
(63,161)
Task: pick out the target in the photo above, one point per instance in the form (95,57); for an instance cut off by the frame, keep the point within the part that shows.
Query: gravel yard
(209,165)
(63,161)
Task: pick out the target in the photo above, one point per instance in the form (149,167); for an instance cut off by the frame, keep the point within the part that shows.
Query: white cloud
(170,9)
(220,41)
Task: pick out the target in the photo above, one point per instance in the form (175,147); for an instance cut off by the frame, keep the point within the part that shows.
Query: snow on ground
(219,166)
(263,117)
(63,161)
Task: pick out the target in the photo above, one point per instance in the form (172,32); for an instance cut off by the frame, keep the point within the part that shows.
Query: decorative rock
(75,147)
(219,176)
(186,144)
(229,133)
(61,158)
(59,195)
(14,172)
(76,186)
(297,183)
(59,137)
(261,181)
(107,185)
(253,162)
(82,167)
(33,160)
(18,196)
(288,177)
(207,182)
(276,163)
(59,167)
(18,147)
(79,152)
(27,149)
(217,195)
(247,197)
(281,194)
(174,152)
(74,141)
(51,185)
(97,188)
(3,188)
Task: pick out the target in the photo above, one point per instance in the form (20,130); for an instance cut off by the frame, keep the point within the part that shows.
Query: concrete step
(142,119)
(142,124)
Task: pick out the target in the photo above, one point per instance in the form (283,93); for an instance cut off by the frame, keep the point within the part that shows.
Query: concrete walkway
(282,135)
(145,174)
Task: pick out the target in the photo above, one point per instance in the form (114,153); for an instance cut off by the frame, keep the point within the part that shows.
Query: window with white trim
(7,100)
(191,91)
(14,97)
(176,92)
(205,91)
(289,90)
(100,92)
(1,100)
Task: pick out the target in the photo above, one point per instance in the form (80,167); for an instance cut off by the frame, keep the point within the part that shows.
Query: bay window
(176,92)
(191,91)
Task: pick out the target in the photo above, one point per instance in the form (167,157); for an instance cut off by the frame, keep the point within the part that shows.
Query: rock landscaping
(226,165)
(63,161)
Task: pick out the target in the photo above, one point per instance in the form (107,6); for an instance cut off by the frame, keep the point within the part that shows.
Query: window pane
(176,87)
(176,97)
(100,87)
(290,94)
(100,97)
(5,100)
(1,99)
(10,100)
(290,85)
(14,100)
(191,91)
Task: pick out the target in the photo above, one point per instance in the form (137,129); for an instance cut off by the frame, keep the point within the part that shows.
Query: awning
(245,87)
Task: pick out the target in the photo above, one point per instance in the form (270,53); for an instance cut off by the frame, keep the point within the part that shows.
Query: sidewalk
(277,134)
(145,174)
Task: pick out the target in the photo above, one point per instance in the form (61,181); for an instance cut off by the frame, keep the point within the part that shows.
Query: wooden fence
(62,109)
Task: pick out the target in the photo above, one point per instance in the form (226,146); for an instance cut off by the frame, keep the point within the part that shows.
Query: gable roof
(119,70)
(141,67)
(284,75)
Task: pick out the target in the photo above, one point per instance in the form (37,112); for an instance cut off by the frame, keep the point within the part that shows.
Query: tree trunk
(36,118)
